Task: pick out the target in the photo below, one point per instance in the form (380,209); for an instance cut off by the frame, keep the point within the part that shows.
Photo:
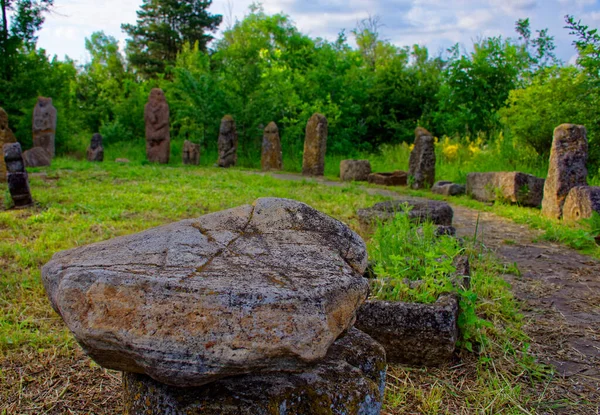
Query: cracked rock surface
(261,288)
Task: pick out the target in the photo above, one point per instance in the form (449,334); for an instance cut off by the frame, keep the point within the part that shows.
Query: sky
(437,24)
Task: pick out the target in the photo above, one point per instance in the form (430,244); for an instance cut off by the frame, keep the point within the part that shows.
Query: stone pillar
(95,151)
(158,136)
(18,182)
(315,146)
(567,169)
(44,125)
(191,153)
(228,142)
(271,149)
(421,165)
(6,137)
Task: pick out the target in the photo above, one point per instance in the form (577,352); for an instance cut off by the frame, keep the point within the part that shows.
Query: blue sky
(436,24)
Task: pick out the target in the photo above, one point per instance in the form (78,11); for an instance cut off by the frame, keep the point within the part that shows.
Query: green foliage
(162,28)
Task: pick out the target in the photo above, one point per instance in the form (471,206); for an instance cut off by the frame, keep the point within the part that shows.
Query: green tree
(162,28)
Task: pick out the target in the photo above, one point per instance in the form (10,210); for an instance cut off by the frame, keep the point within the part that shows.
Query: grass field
(79,203)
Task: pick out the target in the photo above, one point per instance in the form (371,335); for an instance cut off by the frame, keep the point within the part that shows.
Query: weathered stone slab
(272,156)
(581,202)
(261,288)
(37,157)
(412,334)
(44,125)
(448,189)
(438,212)
(158,132)
(315,146)
(350,381)
(396,178)
(6,137)
(18,182)
(191,153)
(95,152)
(568,158)
(228,142)
(421,165)
(357,170)
(512,187)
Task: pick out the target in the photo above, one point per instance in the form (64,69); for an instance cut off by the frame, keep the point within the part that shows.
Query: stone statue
(158,138)
(44,125)
(228,142)
(95,151)
(6,137)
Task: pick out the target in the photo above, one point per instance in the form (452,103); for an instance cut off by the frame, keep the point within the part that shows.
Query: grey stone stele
(266,287)
(567,167)
(512,187)
(191,153)
(227,143)
(16,175)
(350,380)
(421,210)
(357,170)
(44,125)
(95,151)
(421,164)
(581,203)
(271,154)
(412,334)
(315,146)
(158,130)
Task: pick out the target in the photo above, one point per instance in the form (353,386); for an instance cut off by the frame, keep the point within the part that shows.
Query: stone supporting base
(412,334)
(349,381)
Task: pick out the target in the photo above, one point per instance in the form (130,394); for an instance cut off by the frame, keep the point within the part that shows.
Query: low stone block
(349,381)
(438,212)
(448,189)
(37,157)
(412,334)
(581,202)
(396,178)
(357,170)
(513,187)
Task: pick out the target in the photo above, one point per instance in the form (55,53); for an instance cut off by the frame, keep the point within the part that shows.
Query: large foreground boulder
(357,170)
(512,187)
(350,381)
(421,210)
(581,203)
(567,169)
(412,334)
(421,165)
(396,178)
(266,287)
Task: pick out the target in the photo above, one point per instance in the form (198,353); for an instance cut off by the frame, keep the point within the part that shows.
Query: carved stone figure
(421,166)
(95,151)
(6,137)
(271,149)
(228,142)
(18,181)
(191,153)
(158,136)
(315,146)
(44,125)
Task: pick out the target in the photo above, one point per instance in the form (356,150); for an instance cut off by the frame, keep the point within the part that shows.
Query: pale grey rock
(357,170)
(261,288)
(350,380)
(511,187)
(581,203)
(448,188)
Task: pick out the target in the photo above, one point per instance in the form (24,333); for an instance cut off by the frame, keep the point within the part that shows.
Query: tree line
(264,69)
